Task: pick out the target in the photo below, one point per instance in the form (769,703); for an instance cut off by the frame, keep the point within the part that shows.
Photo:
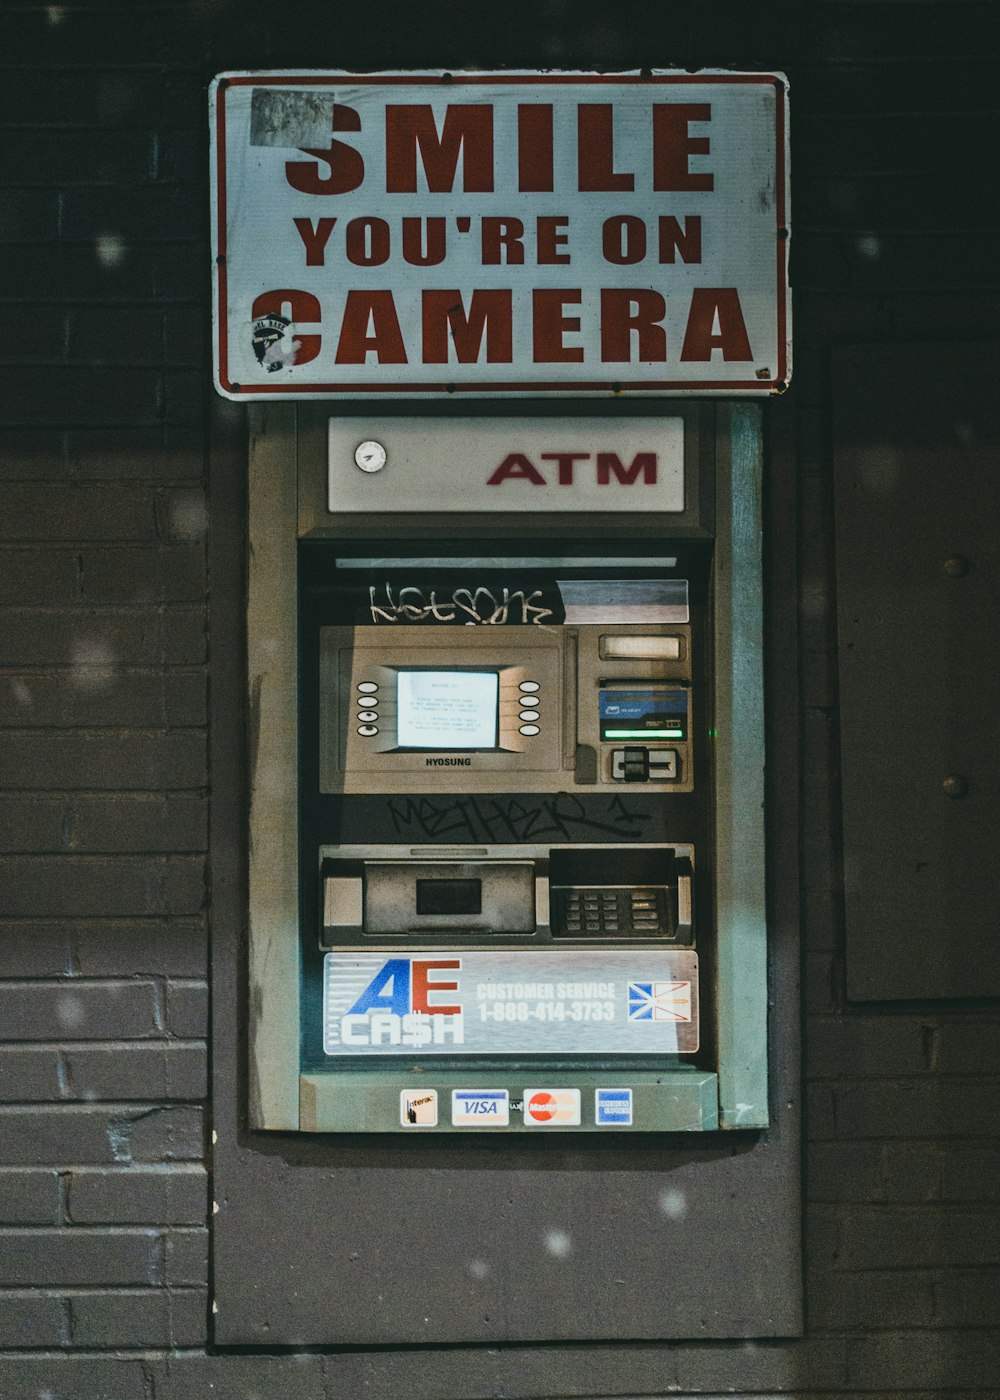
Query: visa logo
(480,1107)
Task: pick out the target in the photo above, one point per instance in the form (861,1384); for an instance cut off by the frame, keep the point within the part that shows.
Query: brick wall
(104,416)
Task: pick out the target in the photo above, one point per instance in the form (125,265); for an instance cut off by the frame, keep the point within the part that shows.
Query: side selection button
(368,730)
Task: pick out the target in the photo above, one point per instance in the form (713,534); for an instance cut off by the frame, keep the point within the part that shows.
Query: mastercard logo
(555,1107)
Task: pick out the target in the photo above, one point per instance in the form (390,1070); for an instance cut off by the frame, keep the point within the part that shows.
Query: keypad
(582,911)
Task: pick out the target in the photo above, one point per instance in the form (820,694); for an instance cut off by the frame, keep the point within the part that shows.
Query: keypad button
(367,687)
(368,730)
(528,715)
(529,729)
(367,716)
(528,685)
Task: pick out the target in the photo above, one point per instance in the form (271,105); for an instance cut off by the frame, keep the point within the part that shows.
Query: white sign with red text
(422,465)
(422,234)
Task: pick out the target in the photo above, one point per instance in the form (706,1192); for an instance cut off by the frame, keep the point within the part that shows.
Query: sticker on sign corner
(480,1108)
(418,1108)
(552,1108)
(613,1108)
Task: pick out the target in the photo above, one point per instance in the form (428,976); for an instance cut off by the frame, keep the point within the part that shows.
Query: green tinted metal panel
(739,774)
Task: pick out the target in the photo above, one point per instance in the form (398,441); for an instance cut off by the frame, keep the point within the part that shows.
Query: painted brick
(77,512)
(70,1134)
(914,1171)
(904,1108)
(79,1010)
(94,698)
(102,762)
(119,335)
(99,949)
(193,1377)
(185,338)
(41,336)
(129,453)
(971,1172)
(187,1009)
(29,215)
(817,1363)
(153,1072)
(30,824)
(845,1171)
(869,1046)
(896,1298)
(923,1236)
(95,642)
(176,1195)
(162,1135)
(140,823)
(151,573)
(967,1298)
(188,1316)
(29,1197)
(109,396)
(968,1047)
(178,948)
(73,1378)
(105,269)
(100,99)
(183,390)
(941,1359)
(61,1258)
(120,1319)
(28,949)
(29,1075)
(33,454)
(120,885)
(186,1257)
(140,213)
(35,577)
(33,1320)
(184,635)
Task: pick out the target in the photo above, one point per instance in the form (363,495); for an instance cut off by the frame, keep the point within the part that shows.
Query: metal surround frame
(274,513)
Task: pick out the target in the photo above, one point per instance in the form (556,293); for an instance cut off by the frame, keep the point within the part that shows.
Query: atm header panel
(484,234)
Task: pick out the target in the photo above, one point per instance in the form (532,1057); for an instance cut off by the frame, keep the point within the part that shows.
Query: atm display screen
(447,709)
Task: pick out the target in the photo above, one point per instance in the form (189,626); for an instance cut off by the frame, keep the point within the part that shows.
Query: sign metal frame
(762,198)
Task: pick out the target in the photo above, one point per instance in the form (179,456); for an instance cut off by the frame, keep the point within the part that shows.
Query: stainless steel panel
(459,1002)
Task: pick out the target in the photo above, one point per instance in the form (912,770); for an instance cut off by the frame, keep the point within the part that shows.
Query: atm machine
(515,665)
